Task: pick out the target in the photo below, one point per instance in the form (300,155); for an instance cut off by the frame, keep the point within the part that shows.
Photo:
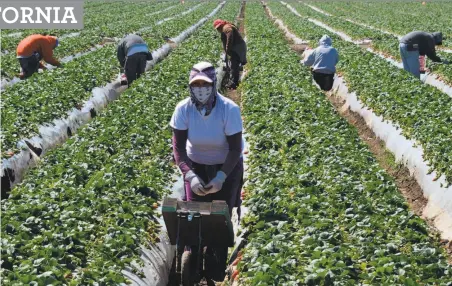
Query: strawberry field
(86,162)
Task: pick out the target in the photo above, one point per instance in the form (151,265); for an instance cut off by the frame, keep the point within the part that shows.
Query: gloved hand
(216,183)
(196,183)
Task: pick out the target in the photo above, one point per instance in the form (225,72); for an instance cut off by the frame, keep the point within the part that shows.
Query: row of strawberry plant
(49,96)
(93,20)
(397,17)
(90,8)
(81,217)
(133,18)
(384,43)
(421,111)
(321,210)
(11,38)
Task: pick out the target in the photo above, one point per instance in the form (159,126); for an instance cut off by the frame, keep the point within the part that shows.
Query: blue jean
(410,60)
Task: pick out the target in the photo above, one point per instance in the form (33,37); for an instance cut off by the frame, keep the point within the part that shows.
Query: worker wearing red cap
(234,46)
(32,50)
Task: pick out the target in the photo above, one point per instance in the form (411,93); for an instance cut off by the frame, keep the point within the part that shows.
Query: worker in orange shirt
(32,50)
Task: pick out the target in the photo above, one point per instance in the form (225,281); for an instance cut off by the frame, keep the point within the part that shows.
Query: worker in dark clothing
(133,53)
(234,46)
(419,43)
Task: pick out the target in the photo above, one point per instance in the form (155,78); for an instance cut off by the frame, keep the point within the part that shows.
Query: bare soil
(299,49)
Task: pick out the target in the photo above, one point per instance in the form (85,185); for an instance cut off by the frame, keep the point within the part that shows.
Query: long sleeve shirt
(324,58)
(232,40)
(424,42)
(40,44)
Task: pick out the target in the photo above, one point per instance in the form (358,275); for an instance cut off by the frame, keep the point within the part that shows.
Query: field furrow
(321,211)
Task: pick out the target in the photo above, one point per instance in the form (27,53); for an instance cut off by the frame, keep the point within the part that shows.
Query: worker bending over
(419,43)
(132,53)
(234,46)
(323,60)
(32,50)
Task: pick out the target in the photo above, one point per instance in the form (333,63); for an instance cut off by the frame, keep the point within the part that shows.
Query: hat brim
(218,26)
(200,78)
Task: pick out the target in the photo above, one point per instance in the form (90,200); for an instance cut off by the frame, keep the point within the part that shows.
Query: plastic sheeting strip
(286,30)
(430,78)
(70,35)
(373,28)
(442,49)
(17,34)
(317,9)
(439,207)
(353,22)
(164,10)
(56,133)
(182,14)
(161,11)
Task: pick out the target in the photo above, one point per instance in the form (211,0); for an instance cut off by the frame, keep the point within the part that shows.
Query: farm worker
(419,43)
(234,46)
(133,53)
(207,146)
(32,50)
(323,60)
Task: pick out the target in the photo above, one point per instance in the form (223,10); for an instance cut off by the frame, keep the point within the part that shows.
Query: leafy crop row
(384,43)
(49,96)
(92,18)
(93,12)
(421,111)
(322,211)
(81,217)
(398,17)
(131,19)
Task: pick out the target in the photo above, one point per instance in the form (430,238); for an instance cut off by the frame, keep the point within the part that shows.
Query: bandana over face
(204,97)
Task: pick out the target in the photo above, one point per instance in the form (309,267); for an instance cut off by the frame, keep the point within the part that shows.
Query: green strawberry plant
(421,111)
(81,217)
(398,17)
(321,210)
(48,96)
(96,27)
(381,42)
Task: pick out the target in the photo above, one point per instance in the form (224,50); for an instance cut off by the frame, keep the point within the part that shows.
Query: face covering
(202,94)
